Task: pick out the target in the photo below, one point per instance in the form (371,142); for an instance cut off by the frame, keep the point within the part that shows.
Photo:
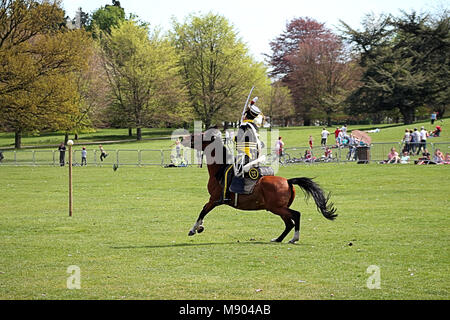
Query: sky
(260,21)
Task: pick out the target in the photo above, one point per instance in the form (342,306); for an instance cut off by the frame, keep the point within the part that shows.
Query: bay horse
(272,193)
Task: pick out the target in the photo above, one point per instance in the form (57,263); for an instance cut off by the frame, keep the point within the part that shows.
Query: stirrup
(223,200)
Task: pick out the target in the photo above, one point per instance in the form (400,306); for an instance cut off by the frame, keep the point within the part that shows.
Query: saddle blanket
(226,177)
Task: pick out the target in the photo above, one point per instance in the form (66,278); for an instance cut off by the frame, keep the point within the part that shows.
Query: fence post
(139,158)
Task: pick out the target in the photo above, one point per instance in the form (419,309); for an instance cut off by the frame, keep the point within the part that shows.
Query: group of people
(62,154)
(415,140)
(341,135)
(438,157)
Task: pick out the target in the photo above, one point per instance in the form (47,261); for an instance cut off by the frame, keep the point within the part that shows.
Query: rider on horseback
(248,147)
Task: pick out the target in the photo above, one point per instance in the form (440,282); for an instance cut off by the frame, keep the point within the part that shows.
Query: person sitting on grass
(447,158)
(392,157)
(438,157)
(425,159)
(309,157)
(437,132)
(328,156)
(405,158)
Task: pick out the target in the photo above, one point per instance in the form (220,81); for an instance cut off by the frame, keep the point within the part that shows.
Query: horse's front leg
(198,226)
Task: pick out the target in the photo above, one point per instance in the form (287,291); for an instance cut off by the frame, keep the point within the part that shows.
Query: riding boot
(223,199)
(237,185)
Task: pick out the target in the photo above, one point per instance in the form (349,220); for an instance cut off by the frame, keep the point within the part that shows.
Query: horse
(272,193)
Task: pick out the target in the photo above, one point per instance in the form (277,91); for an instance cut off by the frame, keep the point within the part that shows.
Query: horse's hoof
(200,229)
(275,240)
(191,233)
(292,241)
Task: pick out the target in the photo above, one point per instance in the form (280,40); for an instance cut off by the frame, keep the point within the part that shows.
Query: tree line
(114,70)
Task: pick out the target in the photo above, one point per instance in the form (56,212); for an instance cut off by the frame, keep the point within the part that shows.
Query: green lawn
(129,237)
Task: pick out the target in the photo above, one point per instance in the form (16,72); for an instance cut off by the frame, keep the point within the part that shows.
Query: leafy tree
(142,69)
(281,108)
(107,17)
(37,58)
(216,67)
(405,61)
(21,21)
(313,63)
(94,96)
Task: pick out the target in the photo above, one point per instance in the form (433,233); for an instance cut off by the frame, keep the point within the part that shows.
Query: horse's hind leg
(198,224)
(288,218)
(296,217)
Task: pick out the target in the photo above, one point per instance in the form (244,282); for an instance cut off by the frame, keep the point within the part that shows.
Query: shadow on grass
(180,245)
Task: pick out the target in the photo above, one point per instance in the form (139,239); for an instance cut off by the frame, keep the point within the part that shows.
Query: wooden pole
(70,180)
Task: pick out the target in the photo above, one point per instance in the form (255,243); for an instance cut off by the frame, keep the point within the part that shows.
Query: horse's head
(200,141)
(211,144)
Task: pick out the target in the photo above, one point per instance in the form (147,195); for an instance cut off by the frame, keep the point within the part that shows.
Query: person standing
(324,136)
(433,117)
(423,139)
(103,153)
(62,154)
(311,140)
(407,141)
(279,145)
(340,138)
(416,136)
(177,145)
(336,135)
(83,156)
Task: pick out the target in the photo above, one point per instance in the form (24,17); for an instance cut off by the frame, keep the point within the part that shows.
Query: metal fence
(376,152)
(159,157)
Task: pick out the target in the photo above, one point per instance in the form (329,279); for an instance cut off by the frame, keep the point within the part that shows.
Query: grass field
(129,237)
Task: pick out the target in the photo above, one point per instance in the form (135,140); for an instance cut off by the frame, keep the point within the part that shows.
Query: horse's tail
(311,188)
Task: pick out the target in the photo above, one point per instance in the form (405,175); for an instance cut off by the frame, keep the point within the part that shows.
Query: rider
(248,145)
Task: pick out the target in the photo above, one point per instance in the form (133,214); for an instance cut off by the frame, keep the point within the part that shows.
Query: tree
(107,17)
(405,61)
(37,57)
(216,67)
(21,21)
(142,70)
(94,94)
(281,108)
(313,63)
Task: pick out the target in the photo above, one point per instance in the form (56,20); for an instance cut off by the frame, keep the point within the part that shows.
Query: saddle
(246,185)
